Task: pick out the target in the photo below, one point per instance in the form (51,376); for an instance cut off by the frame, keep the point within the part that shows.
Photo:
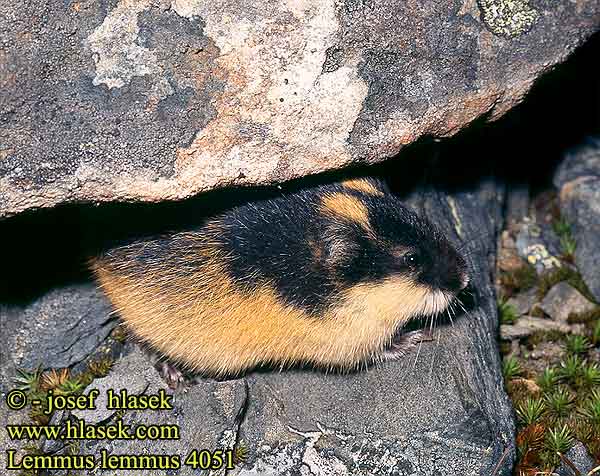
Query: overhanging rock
(154,99)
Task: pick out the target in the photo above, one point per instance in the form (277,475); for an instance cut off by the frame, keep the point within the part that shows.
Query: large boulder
(156,99)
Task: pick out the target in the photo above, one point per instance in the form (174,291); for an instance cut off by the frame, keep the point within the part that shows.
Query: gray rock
(562,300)
(524,302)
(133,372)
(527,325)
(59,329)
(579,180)
(581,459)
(155,100)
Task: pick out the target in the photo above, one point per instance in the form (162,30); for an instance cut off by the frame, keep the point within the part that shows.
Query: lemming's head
(370,237)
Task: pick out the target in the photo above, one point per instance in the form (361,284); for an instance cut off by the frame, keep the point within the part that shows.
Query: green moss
(530,411)
(119,333)
(548,380)
(520,279)
(567,243)
(100,367)
(28,380)
(511,368)
(577,344)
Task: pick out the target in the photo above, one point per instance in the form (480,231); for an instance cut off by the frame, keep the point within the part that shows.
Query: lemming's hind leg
(405,344)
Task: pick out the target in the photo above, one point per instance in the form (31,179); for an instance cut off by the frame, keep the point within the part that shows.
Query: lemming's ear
(338,247)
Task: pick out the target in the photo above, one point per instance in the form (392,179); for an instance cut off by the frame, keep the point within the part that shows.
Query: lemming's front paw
(404,344)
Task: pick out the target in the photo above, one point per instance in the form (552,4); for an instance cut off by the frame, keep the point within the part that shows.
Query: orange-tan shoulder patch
(346,206)
(362,185)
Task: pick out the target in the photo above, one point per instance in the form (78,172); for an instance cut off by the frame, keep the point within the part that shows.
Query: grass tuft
(577,344)
(507,312)
(511,368)
(530,411)
(548,380)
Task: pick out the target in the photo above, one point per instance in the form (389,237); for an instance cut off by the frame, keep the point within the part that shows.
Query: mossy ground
(556,395)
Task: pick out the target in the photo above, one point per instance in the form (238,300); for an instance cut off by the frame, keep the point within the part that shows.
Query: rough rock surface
(60,329)
(523,302)
(207,414)
(527,325)
(578,178)
(581,459)
(562,300)
(160,99)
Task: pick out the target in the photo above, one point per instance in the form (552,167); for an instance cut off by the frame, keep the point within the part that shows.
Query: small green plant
(511,368)
(507,312)
(559,403)
(560,439)
(548,380)
(567,242)
(71,386)
(591,409)
(531,410)
(119,334)
(100,367)
(590,376)
(571,367)
(240,452)
(596,334)
(577,344)
(28,381)
(561,227)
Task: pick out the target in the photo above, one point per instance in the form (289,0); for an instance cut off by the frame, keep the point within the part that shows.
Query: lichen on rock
(508,18)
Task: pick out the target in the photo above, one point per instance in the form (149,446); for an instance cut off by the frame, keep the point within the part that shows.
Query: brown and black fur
(326,276)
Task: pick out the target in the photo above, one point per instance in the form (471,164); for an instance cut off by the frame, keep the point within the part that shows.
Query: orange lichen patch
(362,185)
(346,206)
(76,6)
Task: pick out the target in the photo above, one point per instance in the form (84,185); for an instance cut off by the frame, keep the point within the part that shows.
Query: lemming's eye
(411,259)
